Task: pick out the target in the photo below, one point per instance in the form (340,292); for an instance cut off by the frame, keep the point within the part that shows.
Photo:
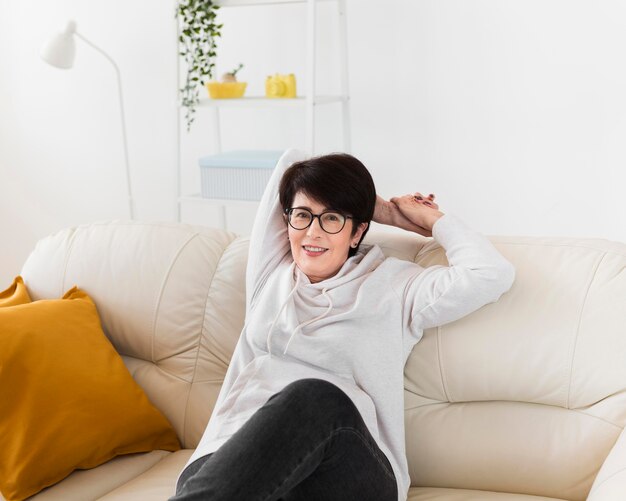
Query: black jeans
(308,442)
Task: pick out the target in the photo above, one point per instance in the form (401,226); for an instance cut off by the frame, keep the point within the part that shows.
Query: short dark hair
(337,180)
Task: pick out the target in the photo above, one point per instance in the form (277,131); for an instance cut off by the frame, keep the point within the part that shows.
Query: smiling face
(318,254)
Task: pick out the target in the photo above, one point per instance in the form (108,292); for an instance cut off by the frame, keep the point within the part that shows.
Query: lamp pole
(59,52)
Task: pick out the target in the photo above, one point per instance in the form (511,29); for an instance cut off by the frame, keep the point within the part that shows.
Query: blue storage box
(237,175)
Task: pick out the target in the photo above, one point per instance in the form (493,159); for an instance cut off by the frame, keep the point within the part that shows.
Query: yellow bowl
(226,90)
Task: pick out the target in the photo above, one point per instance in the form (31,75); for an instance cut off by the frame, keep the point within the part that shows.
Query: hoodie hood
(318,297)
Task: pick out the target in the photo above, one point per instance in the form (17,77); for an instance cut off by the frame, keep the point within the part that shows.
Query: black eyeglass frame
(319,218)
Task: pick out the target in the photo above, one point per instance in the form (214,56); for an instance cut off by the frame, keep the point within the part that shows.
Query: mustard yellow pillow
(15,294)
(67,400)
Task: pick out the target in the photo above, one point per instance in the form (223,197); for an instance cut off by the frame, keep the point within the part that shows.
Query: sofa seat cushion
(92,484)
(156,484)
(439,494)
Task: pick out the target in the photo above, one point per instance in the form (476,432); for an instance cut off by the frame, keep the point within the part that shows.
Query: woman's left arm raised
(477,273)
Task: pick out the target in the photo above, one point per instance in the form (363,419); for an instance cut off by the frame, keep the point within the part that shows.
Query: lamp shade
(59,50)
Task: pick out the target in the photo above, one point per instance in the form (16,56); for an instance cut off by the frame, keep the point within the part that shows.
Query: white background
(512,111)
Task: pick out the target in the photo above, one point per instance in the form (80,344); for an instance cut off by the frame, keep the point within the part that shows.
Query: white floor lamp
(59,51)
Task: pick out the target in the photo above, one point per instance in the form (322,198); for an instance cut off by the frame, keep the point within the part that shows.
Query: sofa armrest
(610,483)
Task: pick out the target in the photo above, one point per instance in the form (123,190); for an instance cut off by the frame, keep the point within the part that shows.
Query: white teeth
(314,249)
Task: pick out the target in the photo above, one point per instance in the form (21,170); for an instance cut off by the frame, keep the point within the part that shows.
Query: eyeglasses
(330,221)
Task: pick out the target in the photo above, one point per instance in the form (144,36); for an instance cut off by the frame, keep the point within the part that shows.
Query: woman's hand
(420,211)
(389,213)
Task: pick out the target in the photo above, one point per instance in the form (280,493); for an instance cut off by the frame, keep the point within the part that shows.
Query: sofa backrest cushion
(171,300)
(525,395)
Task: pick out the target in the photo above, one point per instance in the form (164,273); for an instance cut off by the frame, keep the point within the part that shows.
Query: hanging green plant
(197,43)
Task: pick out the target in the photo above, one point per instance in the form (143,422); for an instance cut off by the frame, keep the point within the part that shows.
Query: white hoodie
(355,329)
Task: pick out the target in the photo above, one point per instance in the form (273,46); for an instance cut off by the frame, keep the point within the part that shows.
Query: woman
(312,406)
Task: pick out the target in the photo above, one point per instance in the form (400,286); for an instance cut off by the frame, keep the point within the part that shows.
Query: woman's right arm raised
(268,239)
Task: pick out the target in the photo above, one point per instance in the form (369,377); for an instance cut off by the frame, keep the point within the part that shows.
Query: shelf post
(310,77)
(345,88)
(179,191)
(217,135)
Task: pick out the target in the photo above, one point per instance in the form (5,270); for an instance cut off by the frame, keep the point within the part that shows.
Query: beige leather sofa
(523,400)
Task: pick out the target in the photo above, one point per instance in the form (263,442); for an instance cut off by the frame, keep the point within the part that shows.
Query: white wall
(512,112)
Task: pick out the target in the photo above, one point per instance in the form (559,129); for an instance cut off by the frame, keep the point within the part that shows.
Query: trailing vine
(197,43)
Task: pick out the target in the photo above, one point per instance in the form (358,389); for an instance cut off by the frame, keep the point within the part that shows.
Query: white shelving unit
(308,102)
